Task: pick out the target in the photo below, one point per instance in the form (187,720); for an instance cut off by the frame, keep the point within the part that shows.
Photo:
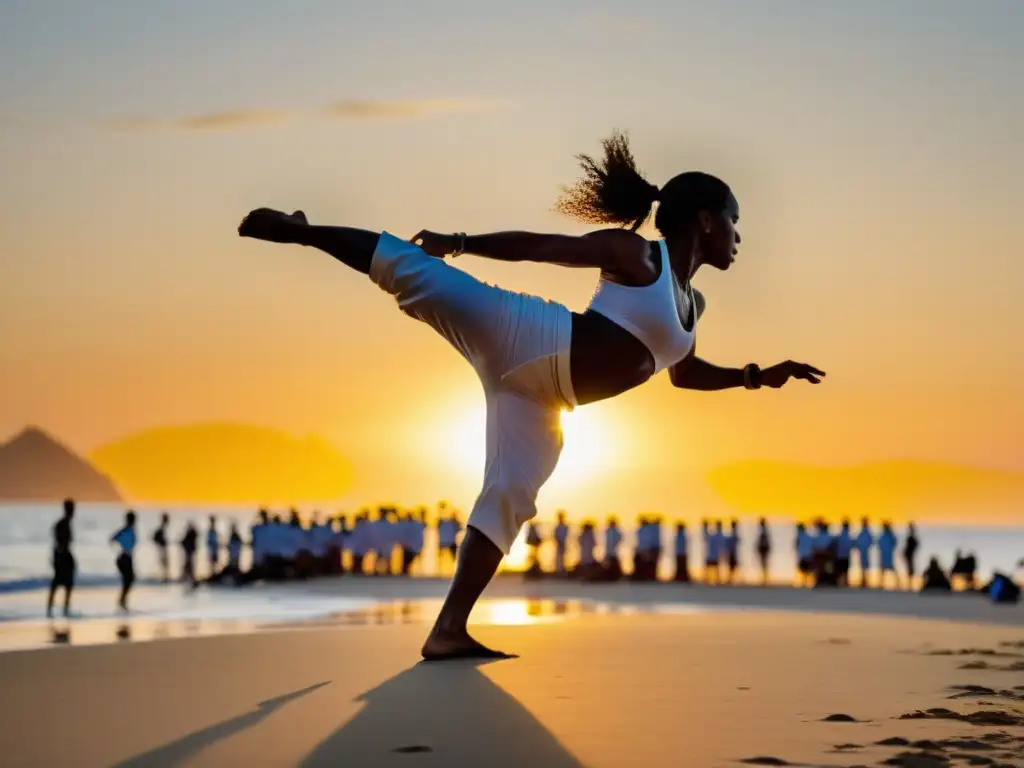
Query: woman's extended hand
(435,244)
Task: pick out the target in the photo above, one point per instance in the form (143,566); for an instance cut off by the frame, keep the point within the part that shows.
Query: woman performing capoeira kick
(536,358)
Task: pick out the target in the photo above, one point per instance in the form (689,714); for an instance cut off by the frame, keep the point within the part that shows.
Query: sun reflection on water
(519,612)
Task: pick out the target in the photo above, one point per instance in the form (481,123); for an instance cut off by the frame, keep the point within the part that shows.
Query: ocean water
(25,543)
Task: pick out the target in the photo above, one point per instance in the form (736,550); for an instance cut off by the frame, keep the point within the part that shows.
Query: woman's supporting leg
(524,441)
(478,561)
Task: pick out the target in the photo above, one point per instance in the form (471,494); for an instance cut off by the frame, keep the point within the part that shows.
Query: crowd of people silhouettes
(823,556)
(391,541)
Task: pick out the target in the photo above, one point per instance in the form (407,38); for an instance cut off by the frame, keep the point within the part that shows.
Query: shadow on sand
(180,750)
(441,714)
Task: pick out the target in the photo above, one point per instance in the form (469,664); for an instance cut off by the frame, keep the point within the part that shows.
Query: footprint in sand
(1013,666)
(769,760)
(765,761)
(974,744)
(965,750)
(973,691)
(894,741)
(918,760)
(973,759)
(970,688)
(989,652)
(981,717)
(1002,737)
(841,718)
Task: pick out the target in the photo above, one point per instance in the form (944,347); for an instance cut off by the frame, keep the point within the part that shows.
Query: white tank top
(651,313)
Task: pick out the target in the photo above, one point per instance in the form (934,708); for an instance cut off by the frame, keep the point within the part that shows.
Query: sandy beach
(615,687)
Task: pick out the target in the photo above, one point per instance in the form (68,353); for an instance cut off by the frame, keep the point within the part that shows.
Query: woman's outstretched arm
(697,373)
(608,249)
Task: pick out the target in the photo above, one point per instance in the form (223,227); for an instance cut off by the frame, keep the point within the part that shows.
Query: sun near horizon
(593,444)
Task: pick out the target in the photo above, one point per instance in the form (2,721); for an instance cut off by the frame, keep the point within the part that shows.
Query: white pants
(519,346)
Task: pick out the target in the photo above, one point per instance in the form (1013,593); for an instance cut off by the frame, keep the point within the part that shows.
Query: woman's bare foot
(272,226)
(442,645)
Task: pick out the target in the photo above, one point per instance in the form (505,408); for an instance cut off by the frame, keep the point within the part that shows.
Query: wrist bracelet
(460,248)
(752,376)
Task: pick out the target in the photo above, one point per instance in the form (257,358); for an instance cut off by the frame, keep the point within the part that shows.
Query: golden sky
(876,150)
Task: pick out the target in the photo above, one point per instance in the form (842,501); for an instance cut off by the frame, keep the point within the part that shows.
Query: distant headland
(35,466)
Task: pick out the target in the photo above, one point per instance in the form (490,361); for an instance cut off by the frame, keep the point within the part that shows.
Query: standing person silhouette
(682,547)
(612,542)
(126,538)
(63,560)
(213,546)
(188,549)
(561,544)
(863,543)
(764,548)
(910,547)
(536,358)
(160,540)
(732,549)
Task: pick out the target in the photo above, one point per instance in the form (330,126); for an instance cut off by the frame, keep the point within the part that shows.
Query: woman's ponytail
(611,191)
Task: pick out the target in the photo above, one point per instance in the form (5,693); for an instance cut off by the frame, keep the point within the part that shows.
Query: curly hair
(612,190)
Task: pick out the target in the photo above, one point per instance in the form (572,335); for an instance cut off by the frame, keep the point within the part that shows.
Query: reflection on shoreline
(498,612)
(507,612)
(61,636)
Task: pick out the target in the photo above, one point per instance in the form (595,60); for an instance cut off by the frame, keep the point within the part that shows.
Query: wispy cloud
(214,121)
(400,110)
(241,118)
(352,109)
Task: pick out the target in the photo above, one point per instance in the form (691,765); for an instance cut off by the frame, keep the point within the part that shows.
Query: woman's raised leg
(465,311)
(352,247)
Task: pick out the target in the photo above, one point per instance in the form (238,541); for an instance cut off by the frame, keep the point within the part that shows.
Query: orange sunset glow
(879,223)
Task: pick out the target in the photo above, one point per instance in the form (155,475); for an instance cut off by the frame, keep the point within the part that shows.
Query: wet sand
(352,601)
(702,689)
(959,606)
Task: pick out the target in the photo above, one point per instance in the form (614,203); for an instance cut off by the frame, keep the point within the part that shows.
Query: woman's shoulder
(631,257)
